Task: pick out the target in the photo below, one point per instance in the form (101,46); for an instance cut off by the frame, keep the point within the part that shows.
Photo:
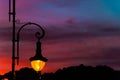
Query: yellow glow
(37,65)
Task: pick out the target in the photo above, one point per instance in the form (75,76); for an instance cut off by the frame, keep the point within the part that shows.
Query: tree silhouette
(1,77)
(49,76)
(23,74)
(80,72)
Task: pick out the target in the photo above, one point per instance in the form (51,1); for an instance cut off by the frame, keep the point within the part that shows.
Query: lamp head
(38,61)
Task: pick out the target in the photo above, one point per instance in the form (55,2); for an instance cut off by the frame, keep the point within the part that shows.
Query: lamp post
(38,61)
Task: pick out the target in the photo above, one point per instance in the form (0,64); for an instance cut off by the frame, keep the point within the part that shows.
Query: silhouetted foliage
(49,76)
(1,77)
(26,74)
(8,75)
(80,72)
(23,74)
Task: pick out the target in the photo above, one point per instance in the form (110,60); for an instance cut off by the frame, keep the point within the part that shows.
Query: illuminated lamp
(38,61)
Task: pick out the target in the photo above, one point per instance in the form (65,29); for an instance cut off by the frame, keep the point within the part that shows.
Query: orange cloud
(5,65)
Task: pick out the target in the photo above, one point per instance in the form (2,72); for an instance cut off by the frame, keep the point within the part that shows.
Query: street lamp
(38,61)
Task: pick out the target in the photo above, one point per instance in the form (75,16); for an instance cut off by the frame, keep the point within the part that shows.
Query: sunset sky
(77,32)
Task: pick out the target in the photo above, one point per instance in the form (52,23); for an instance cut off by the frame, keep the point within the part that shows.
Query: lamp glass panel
(37,65)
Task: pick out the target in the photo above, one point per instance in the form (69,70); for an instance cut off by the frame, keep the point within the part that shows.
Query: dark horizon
(69,67)
(69,73)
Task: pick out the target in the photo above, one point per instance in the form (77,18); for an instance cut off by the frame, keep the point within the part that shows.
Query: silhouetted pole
(13,13)
(39,75)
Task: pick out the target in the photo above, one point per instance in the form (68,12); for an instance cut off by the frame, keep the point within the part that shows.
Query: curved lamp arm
(39,35)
